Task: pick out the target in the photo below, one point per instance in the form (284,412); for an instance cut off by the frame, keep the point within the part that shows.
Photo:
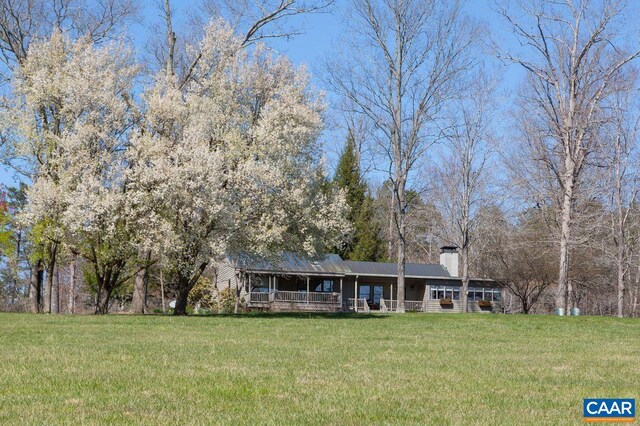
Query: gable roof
(385,269)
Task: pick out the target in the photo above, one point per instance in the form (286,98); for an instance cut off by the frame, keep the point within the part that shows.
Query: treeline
(141,166)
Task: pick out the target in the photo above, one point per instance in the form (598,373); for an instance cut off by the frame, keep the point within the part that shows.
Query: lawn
(312,369)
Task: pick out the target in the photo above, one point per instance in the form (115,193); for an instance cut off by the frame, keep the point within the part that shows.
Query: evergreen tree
(365,243)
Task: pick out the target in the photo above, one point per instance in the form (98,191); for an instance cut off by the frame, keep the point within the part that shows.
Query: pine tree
(365,243)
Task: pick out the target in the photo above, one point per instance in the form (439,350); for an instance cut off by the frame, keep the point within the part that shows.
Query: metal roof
(384,269)
(332,264)
(289,263)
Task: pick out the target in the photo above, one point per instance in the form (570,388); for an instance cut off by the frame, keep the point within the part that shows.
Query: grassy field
(288,369)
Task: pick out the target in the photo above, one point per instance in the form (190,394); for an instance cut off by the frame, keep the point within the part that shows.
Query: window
(377,293)
(474,294)
(479,294)
(324,286)
(364,292)
(259,284)
(372,293)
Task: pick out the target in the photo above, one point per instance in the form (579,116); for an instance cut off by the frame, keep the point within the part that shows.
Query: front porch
(279,300)
(374,294)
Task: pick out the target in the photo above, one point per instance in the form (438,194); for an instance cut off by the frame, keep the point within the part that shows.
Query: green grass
(279,369)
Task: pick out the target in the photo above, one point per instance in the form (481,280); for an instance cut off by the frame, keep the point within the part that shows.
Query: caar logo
(609,410)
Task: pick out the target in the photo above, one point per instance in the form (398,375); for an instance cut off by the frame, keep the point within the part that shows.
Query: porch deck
(432,306)
(277,300)
(332,302)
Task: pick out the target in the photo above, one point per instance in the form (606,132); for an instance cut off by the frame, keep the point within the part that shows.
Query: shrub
(446,301)
(484,304)
(227,301)
(202,294)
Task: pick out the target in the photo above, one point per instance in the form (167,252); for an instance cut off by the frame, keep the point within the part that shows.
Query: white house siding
(226,277)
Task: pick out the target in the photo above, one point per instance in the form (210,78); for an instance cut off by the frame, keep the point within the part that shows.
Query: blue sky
(321,33)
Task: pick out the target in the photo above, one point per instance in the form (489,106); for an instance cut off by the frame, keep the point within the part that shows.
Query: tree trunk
(620,261)
(164,309)
(102,304)
(400,240)
(400,226)
(48,300)
(183,296)
(138,303)
(55,298)
(185,284)
(103,294)
(72,285)
(50,270)
(563,276)
(35,288)
(391,225)
(464,251)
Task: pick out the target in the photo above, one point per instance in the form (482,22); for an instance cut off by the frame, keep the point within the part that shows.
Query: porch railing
(360,305)
(383,306)
(260,297)
(310,297)
(409,305)
(414,305)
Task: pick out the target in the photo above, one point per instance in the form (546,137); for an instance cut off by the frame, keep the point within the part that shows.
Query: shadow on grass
(301,315)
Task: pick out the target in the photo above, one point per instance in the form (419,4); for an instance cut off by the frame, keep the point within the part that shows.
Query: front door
(372,293)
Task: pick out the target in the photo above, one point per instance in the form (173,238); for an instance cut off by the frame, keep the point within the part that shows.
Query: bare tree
(461,173)
(574,62)
(258,20)
(404,60)
(621,156)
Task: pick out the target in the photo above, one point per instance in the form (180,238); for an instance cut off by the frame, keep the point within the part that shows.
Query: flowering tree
(72,118)
(231,161)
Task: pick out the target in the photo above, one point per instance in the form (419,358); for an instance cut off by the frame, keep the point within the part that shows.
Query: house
(330,284)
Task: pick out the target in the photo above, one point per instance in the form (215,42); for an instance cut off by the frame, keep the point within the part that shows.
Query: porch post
(249,287)
(340,290)
(244,279)
(356,295)
(307,289)
(269,285)
(391,304)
